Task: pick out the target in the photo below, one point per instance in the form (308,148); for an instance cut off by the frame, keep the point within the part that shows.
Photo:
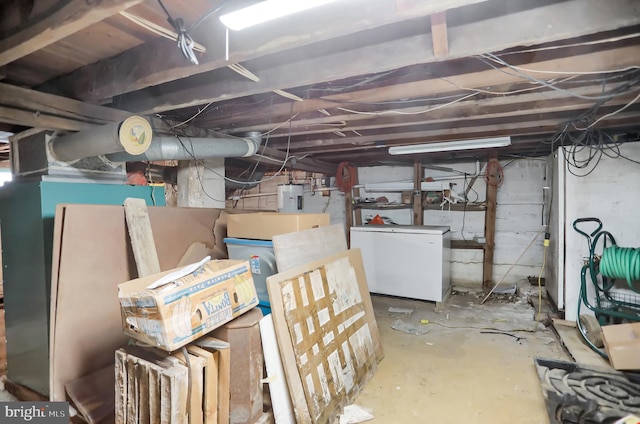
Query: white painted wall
(518,217)
(612,193)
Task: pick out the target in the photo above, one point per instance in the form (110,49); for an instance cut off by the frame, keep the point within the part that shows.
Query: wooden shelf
(466,244)
(381,207)
(459,207)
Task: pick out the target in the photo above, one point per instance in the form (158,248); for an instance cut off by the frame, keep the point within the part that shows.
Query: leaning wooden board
(91,243)
(296,249)
(327,334)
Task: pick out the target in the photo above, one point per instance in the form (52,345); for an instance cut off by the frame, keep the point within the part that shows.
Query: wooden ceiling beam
(160,61)
(517,29)
(38,102)
(527,127)
(70,17)
(499,106)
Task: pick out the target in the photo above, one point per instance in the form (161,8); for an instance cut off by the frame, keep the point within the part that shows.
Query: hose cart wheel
(593,329)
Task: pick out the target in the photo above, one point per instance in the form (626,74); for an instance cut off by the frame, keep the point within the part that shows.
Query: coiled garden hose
(621,263)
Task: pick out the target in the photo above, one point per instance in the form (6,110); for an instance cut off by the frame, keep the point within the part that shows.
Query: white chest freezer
(405,260)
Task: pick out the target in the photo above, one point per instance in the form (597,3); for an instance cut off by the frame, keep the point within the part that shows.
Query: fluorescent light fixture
(447,146)
(266,11)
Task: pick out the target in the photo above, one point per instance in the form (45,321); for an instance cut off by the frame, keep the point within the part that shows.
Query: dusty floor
(459,375)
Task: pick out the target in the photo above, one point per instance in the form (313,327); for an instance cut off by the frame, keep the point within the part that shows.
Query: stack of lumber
(155,387)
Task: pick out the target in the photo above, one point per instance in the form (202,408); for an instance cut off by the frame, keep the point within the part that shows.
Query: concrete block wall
(518,217)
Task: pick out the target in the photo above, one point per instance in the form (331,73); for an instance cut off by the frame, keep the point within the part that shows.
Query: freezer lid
(406,229)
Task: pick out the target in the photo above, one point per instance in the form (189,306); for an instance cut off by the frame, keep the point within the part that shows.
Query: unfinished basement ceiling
(358,76)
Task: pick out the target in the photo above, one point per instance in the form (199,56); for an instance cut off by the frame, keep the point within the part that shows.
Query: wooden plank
(418,214)
(224,374)
(466,244)
(319,338)
(490,224)
(173,387)
(27,99)
(132,390)
(576,347)
(31,119)
(93,394)
(160,61)
(196,389)
(70,17)
(295,249)
(154,395)
(210,392)
(144,415)
(515,29)
(439,34)
(141,236)
(121,387)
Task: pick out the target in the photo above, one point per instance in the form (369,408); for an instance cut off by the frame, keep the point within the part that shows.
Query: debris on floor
(354,414)
(402,311)
(408,328)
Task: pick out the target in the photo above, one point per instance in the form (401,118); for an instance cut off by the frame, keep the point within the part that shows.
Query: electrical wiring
(184,40)
(535,80)
(194,116)
(609,115)
(158,30)
(564,46)
(497,59)
(398,112)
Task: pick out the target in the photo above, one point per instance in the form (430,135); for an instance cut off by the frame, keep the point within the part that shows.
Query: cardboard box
(265,225)
(172,315)
(622,342)
(245,343)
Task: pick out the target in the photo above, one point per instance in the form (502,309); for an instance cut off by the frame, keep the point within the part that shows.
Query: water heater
(290,197)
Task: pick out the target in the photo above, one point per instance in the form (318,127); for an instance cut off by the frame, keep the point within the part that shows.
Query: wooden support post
(417,193)
(348,208)
(490,224)
(356,193)
(439,34)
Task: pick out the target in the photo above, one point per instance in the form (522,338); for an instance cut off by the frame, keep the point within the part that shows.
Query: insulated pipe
(132,135)
(171,148)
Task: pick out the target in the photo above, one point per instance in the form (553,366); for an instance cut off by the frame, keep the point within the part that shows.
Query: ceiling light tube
(266,11)
(447,146)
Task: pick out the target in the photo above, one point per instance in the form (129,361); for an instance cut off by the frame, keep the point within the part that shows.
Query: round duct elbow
(133,135)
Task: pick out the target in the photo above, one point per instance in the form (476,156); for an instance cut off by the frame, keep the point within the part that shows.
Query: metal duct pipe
(245,185)
(132,135)
(170,148)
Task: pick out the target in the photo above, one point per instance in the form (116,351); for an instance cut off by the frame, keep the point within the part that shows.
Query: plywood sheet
(93,395)
(327,334)
(93,255)
(296,249)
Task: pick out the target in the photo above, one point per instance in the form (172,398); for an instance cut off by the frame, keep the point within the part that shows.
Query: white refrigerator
(405,260)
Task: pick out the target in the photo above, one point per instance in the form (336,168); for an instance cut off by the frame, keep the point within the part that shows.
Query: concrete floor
(456,375)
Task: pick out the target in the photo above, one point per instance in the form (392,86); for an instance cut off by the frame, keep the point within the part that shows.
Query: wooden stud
(418,214)
(490,224)
(348,207)
(439,34)
(356,193)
